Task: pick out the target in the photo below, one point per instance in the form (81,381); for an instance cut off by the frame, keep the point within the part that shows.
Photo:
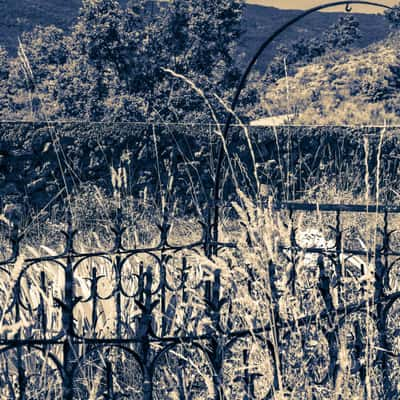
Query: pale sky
(305,4)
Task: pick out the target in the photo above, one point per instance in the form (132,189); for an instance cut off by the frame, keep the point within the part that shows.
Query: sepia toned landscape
(199,200)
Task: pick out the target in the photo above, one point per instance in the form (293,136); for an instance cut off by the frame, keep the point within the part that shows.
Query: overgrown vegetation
(138,302)
(319,87)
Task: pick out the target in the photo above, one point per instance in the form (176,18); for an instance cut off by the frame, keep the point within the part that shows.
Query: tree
(105,59)
(112,65)
(393,16)
(342,34)
(42,53)
(198,41)
(214,30)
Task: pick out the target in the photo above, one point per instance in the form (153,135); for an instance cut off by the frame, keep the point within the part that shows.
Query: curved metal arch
(106,258)
(242,84)
(169,347)
(2,269)
(132,354)
(10,347)
(56,361)
(195,346)
(53,358)
(18,288)
(101,346)
(392,265)
(157,262)
(34,263)
(111,263)
(388,307)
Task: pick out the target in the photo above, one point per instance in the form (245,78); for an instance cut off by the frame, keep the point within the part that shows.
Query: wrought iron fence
(119,323)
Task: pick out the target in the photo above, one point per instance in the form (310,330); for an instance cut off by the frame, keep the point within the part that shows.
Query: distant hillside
(260,22)
(349,89)
(17,16)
